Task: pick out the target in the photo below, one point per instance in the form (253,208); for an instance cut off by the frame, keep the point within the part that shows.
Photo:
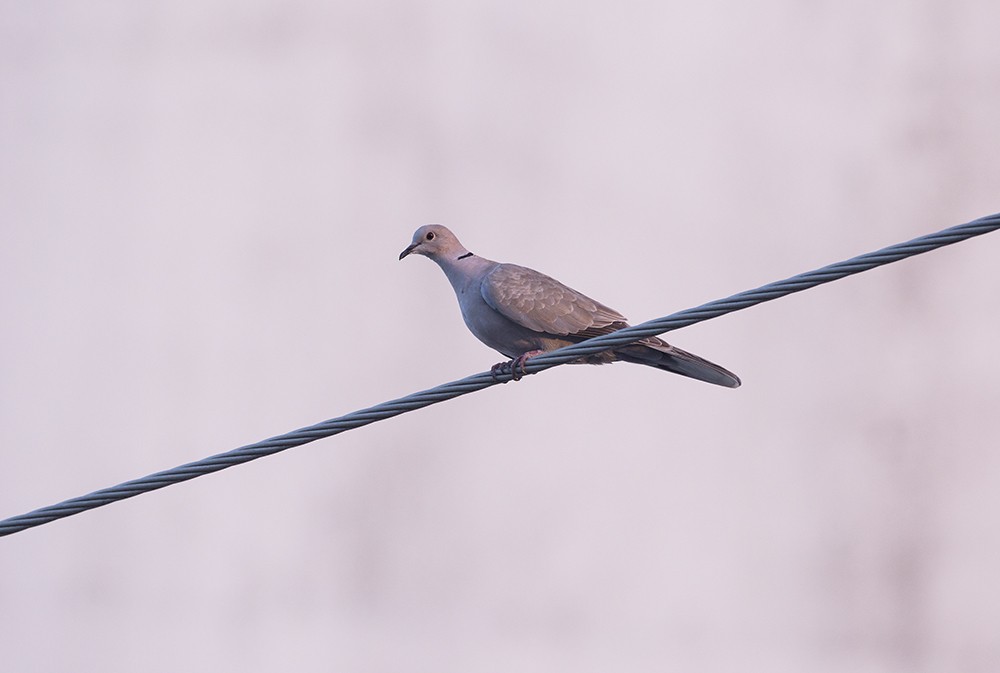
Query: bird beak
(408,250)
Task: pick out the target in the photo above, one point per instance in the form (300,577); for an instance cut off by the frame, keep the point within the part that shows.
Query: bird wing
(543,304)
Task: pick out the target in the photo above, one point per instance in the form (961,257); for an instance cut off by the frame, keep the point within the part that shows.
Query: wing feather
(543,304)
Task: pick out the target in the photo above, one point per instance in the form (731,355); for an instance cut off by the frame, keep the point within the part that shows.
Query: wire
(483,380)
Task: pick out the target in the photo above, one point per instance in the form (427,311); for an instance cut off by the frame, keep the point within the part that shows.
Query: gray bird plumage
(520,312)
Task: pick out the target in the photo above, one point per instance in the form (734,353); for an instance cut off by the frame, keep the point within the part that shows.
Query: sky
(201,209)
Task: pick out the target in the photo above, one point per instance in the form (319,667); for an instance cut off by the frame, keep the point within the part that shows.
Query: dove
(520,313)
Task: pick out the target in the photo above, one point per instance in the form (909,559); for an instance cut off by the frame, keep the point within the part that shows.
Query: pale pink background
(201,205)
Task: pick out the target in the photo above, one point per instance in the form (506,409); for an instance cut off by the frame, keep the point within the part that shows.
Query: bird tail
(659,354)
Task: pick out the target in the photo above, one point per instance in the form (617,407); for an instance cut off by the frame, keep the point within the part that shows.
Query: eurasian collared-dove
(520,312)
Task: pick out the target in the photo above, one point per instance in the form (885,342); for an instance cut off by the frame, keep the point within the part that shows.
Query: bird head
(434,241)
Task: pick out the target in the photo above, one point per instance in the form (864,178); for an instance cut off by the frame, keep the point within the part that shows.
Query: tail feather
(662,355)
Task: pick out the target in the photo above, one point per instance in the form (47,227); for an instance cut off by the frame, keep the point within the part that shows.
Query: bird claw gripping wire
(515,367)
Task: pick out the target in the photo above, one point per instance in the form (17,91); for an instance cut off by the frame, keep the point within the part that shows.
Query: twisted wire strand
(447,391)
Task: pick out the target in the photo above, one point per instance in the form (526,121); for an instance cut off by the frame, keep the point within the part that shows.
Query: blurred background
(201,207)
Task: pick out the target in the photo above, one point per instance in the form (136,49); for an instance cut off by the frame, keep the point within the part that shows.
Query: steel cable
(447,391)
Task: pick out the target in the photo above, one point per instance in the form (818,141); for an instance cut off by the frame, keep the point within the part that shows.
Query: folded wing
(543,304)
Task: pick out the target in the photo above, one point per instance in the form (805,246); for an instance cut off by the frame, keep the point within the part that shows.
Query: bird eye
(429,236)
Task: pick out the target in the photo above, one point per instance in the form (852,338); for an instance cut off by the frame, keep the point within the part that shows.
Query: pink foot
(515,367)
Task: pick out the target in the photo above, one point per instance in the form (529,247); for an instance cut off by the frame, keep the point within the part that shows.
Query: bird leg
(515,367)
